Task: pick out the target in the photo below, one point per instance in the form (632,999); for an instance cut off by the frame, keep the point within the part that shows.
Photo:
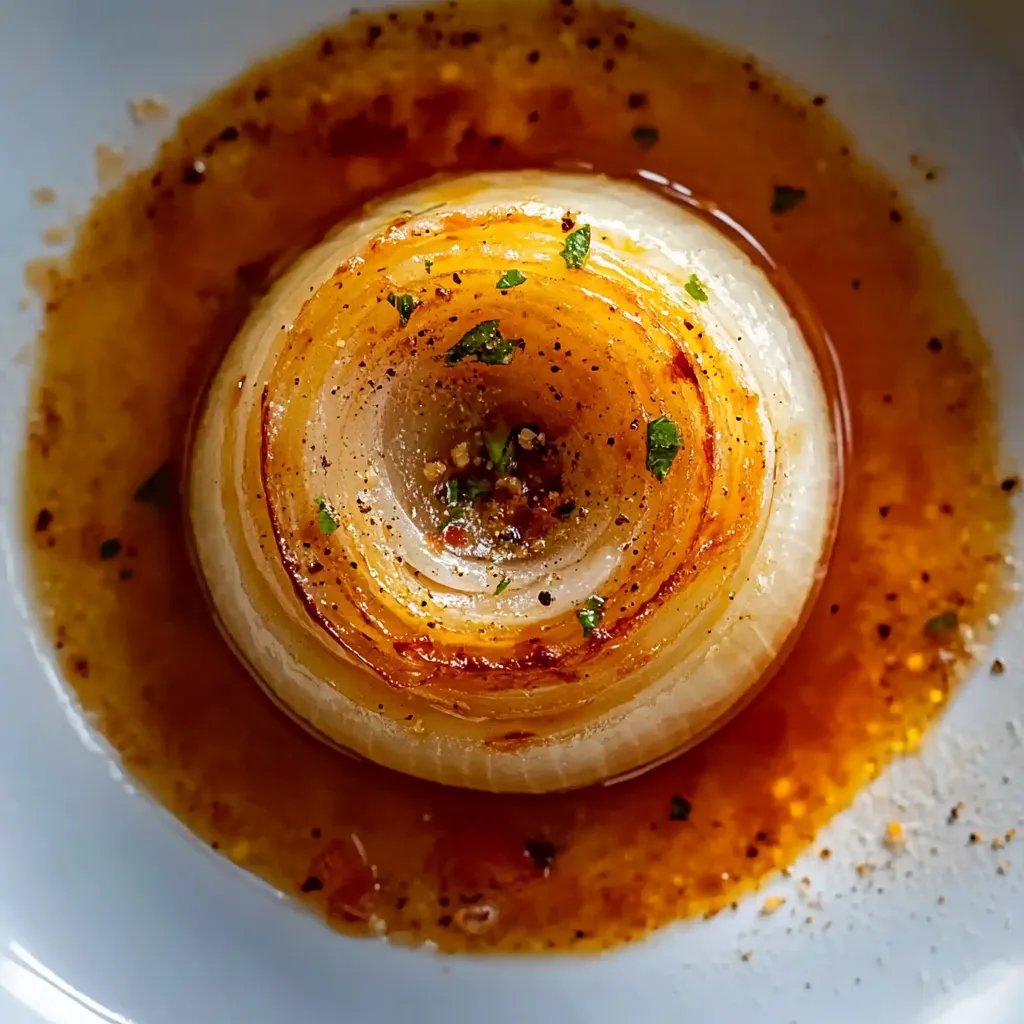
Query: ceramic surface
(111,912)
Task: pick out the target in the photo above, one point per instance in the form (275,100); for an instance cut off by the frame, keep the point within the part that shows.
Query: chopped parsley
(158,490)
(501,451)
(326,519)
(457,490)
(485,344)
(591,614)
(939,624)
(502,586)
(695,288)
(647,135)
(110,549)
(577,246)
(511,279)
(541,852)
(663,444)
(786,197)
(428,264)
(455,512)
(680,808)
(405,304)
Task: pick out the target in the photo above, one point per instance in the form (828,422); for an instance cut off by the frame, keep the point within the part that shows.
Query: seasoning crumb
(146,109)
(974,838)
(1003,867)
(433,471)
(998,666)
(955,812)
(460,455)
(43,196)
(894,835)
(772,904)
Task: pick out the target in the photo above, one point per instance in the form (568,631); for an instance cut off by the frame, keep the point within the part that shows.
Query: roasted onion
(520,481)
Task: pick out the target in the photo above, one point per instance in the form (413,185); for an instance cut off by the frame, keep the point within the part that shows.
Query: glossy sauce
(162,275)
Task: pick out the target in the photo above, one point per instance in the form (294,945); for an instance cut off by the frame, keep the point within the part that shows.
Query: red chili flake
(418,645)
(454,535)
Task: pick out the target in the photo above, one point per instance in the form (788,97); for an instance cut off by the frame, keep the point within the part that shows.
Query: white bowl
(110,911)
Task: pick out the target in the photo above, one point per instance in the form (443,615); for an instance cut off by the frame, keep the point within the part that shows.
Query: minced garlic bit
(772,904)
(915,662)
(781,788)
(460,455)
(147,108)
(530,439)
(433,471)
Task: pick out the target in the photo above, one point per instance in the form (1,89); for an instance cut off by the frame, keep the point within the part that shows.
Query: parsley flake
(591,614)
(663,444)
(485,344)
(939,624)
(786,197)
(501,451)
(577,246)
(428,264)
(405,304)
(647,135)
(326,519)
(511,279)
(110,549)
(695,288)
(502,586)
(679,809)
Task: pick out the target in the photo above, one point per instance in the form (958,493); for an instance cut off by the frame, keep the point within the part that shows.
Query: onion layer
(434,516)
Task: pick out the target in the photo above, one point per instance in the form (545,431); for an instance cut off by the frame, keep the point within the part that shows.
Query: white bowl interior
(111,911)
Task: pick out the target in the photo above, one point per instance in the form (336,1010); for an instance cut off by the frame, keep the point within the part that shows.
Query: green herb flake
(428,264)
(591,614)
(110,549)
(326,519)
(511,279)
(454,513)
(679,809)
(939,624)
(663,444)
(405,304)
(502,586)
(695,288)
(451,491)
(786,197)
(474,490)
(577,246)
(485,344)
(647,135)
(501,451)
(159,490)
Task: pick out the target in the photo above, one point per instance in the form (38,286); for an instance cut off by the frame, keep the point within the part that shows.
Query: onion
(572,616)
